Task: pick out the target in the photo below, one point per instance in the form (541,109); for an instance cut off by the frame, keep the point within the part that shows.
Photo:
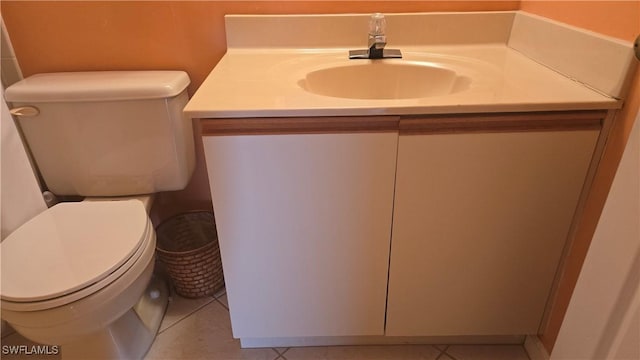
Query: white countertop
(264,83)
(259,80)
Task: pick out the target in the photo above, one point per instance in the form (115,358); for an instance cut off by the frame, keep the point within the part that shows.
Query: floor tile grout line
(187,315)
(223,305)
(449,355)
(9,334)
(220,293)
(442,351)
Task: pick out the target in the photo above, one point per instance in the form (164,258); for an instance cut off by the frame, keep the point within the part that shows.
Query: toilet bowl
(80,275)
(89,264)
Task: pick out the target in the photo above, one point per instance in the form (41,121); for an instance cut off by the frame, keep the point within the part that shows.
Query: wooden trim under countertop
(502,122)
(299,125)
(409,125)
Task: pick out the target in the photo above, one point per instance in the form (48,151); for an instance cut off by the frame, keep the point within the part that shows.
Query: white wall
(9,69)
(20,195)
(602,319)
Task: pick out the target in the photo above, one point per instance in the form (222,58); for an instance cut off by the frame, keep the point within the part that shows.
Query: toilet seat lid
(69,247)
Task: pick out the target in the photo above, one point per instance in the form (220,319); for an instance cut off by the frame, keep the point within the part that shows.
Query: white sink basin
(381,79)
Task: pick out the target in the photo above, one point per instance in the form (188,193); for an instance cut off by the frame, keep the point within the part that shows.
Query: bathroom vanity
(350,214)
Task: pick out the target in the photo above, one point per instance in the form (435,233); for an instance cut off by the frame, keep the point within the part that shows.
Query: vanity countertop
(513,66)
(265,83)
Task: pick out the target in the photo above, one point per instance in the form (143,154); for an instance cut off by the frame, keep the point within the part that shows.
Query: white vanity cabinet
(440,225)
(303,209)
(483,206)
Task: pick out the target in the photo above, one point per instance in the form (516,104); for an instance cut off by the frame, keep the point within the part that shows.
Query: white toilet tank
(107,133)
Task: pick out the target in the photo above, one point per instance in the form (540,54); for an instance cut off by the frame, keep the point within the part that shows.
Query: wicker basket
(187,244)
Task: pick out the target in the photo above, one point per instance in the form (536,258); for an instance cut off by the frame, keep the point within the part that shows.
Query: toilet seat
(71,251)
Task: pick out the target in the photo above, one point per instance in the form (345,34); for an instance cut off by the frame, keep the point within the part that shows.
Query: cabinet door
(479,226)
(304,223)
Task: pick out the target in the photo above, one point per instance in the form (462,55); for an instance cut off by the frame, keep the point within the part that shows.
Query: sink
(384,80)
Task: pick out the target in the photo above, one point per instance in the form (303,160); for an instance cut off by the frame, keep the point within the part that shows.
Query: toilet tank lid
(98,86)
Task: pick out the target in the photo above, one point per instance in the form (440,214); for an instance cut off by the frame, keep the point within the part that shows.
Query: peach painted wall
(620,19)
(53,36)
(113,35)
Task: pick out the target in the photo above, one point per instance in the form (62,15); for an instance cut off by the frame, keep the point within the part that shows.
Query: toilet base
(129,337)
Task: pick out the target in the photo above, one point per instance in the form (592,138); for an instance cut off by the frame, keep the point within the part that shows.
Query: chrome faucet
(377,41)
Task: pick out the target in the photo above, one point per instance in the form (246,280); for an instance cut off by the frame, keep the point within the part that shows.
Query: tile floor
(201,329)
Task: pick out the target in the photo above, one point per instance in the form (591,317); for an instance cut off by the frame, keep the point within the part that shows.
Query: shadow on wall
(195,196)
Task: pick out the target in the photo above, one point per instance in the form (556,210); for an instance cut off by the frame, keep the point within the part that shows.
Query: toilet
(80,274)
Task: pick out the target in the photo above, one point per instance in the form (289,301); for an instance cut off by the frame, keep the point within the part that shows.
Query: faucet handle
(377,25)
(376,42)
